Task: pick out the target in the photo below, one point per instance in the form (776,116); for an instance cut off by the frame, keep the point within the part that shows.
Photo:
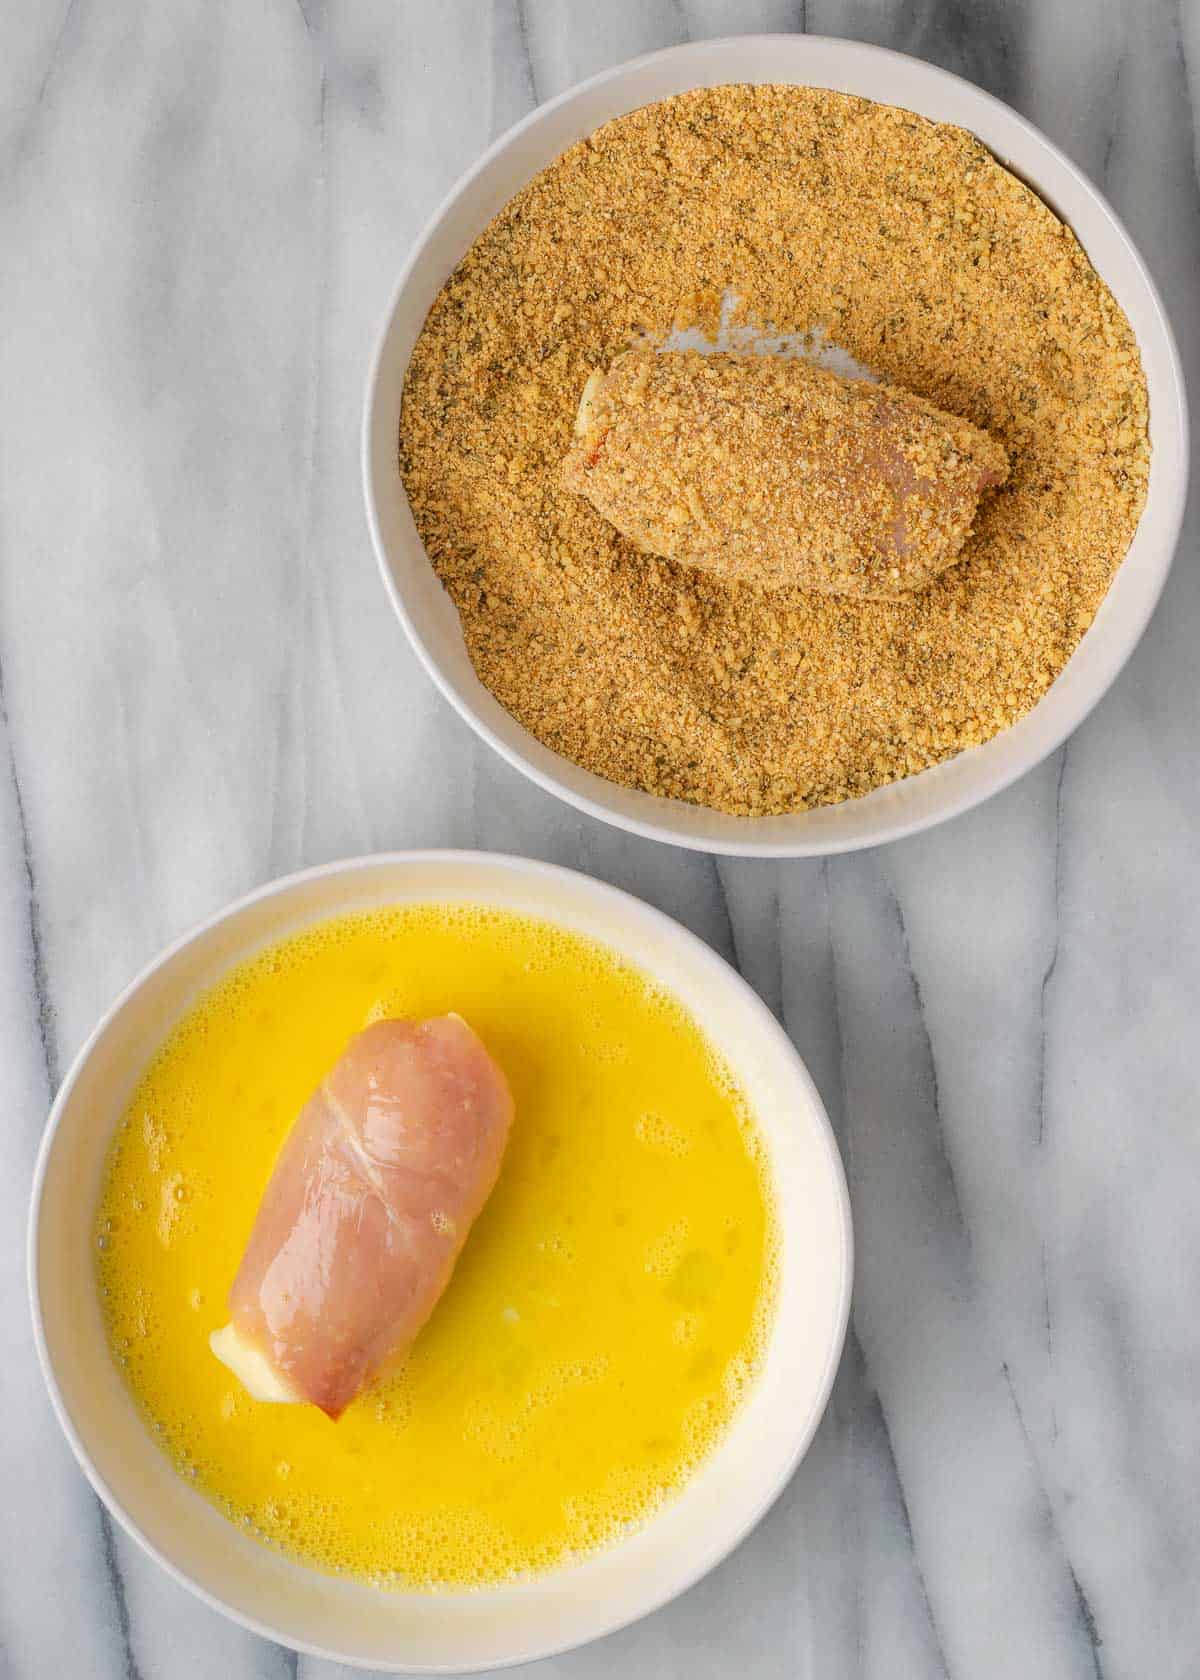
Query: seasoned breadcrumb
(906,243)
(776,472)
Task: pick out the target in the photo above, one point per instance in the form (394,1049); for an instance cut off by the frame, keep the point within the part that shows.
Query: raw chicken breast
(776,472)
(366,1212)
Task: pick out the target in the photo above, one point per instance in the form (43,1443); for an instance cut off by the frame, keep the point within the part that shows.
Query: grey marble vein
(47,1034)
(1052,959)
(202,212)
(116,1584)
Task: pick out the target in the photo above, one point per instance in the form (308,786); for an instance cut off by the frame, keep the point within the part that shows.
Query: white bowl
(849,67)
(446,1632)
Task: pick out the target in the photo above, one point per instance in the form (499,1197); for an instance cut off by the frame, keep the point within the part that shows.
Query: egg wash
(608,1311)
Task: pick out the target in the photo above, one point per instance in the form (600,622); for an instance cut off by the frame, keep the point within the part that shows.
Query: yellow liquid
(603,1321)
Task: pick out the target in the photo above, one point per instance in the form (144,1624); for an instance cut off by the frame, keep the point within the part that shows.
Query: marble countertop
(202,212)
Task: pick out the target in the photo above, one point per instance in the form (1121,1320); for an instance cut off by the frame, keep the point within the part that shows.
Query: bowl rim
(1072,708)
(704,954)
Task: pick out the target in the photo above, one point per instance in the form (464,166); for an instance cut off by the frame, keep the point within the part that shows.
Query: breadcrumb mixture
(911,247)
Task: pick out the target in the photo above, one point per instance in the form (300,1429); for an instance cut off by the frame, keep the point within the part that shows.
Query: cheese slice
(251,1366)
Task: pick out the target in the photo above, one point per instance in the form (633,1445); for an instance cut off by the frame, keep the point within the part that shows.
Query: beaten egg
(608,1311)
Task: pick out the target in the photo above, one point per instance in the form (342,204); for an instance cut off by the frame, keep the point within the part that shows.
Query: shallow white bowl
(849,67)
(446,1632)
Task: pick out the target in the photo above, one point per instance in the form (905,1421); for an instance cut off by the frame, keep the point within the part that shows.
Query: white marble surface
(202,210)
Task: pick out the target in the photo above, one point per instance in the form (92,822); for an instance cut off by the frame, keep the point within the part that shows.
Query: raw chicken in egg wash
(366,1212)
